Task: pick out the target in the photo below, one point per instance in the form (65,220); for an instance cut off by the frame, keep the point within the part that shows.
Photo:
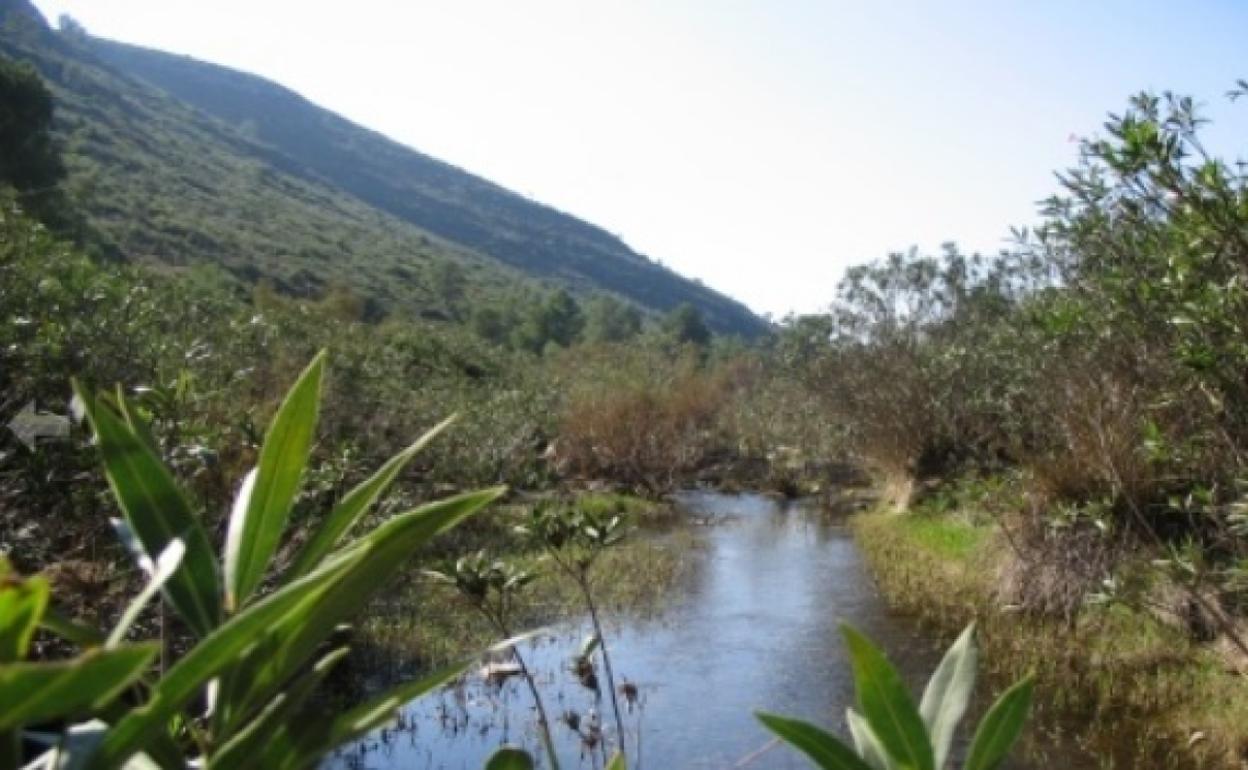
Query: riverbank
(423,624)
(1139,693)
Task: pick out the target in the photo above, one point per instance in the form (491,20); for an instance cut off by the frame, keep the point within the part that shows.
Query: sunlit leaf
(31,693)
(948,693)
(159,574)
(356,502)
(212,655)
(866,742)
(886,704)
(378,558)
(157,513)
(22,605)
(256,528)
(1000,728)
(822,748)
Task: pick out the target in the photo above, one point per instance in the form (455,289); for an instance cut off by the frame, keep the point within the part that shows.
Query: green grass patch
(949,538)
(1136,692)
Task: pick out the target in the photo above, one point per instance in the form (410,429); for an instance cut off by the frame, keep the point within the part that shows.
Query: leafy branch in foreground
(890,733)
(490,586)
(574,538)
(241,696)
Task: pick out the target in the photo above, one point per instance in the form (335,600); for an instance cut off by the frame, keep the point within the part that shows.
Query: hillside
(181,162)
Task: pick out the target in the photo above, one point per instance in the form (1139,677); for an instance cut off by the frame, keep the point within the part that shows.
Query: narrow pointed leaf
(617,762)
(380,555)
(138,426)
(1000,728)
(886,704)
(510,758)
(356,502)
(38,692)
(206,660)
(866,742)
(244,749)
(157,513)
(300,616)
(384,708)
(304,743)
(253,536)
(22,604)
(948,693)
(822,748)
(161,571)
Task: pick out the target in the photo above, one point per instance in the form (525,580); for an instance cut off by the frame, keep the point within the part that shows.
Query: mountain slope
(170,185)
(182,161)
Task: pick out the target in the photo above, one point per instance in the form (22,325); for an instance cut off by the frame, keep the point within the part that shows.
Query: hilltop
(181,162)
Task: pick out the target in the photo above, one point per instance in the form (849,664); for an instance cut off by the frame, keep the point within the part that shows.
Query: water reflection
(756,628)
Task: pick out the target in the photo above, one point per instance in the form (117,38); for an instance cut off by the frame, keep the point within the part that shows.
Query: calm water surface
(755,628)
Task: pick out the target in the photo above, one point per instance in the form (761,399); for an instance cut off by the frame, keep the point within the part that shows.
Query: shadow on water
(755,628)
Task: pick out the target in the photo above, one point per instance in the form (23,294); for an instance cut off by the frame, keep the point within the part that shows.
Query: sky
(762,147)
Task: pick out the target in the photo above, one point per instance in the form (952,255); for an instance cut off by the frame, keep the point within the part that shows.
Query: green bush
(263,625)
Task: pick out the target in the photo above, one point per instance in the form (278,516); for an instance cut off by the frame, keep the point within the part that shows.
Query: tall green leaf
(207,659)
(1000,728)
(823,749)
(159,573)
(378,558)
(138,426)
(867,744)
(356,502)
(886,704)
(301,743)
(948,693)
(255,529)
(245,748)
(38,692)
(157,513)
(22,605)
(384,708)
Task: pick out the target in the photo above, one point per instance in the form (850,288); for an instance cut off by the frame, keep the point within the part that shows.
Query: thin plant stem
(542,719)
(583,582)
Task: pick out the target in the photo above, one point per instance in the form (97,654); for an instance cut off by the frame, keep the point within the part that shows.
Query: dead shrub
(1051,570)
(646,434)
(1094,450)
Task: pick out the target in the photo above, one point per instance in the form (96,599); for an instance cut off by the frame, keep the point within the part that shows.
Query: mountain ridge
(314,150)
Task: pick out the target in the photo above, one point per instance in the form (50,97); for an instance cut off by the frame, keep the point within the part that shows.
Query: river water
(755,628)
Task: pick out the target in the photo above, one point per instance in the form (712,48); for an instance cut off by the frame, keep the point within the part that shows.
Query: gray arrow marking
(29,426)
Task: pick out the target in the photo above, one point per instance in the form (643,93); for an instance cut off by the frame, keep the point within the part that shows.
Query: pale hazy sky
(760,146)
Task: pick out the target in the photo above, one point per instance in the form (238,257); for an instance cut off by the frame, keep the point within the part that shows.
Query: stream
(754,629)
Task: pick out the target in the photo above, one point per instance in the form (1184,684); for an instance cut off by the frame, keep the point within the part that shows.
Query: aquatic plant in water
(574,537)
(490,586)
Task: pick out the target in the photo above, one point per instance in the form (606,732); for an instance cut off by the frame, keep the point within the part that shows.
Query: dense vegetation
(1084,393)
(1077,404)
